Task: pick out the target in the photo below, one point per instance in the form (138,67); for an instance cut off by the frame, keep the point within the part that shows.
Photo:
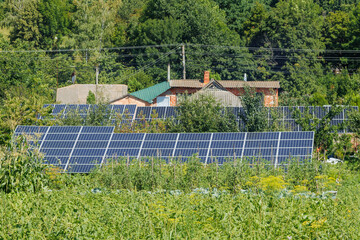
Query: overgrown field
(153,200)
(78,213)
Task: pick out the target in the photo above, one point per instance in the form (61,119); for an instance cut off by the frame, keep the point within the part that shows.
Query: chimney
(206,77)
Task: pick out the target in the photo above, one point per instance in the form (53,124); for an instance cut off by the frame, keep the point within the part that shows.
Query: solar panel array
(78,149)
(131,113)
(63,110)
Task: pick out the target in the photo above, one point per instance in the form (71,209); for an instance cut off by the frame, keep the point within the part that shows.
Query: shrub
(22,169)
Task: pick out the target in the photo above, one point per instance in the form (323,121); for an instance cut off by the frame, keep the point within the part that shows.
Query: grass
(153,200)
(78,213)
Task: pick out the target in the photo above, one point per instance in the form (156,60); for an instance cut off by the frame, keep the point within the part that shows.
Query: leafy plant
(22,169)
(202,114)
(254,116)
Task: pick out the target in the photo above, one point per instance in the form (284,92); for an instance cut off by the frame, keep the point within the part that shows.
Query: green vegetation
(202,114)
(310,46)
(151,199)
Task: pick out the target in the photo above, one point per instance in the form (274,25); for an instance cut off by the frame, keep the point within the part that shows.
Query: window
(163,101)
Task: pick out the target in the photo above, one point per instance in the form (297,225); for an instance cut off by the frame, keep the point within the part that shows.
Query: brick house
(226,91)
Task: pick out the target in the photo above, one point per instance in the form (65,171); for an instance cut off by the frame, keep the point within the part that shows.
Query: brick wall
(131,100)
(271,96)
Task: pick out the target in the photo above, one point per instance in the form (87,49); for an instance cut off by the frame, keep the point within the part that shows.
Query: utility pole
(57,73)
(168,72)
(97,74)
(183,60)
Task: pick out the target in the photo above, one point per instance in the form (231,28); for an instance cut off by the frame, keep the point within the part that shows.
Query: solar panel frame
(208,147)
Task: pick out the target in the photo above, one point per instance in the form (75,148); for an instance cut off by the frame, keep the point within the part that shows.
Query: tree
(253,115)
(190,22)
(56,21)
(24,18)
(202,114)
(20,109)
(27,70)
(325,133)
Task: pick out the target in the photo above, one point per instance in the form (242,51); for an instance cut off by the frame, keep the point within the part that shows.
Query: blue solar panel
(195,136)
(118,109)
(226,152)
(158,112)
(97,129)
(170,112)
(81,168)
(261,144)
(128,136)
(192,144)
(295,143)
(156,152)
(227,144)
(297,135)
(31,129)
(143,113)
(158,144)
(125,144)
(120,152)
(256,152)
(190,152)
(160,137)
(71,108)
(62,130)
(56,160)
(93,137)
(61,137)
(91,144)
(88,152)
(56,152)
(130,109)
(62,146)
(85,160)
(58,108)
(262,136)
(228,136)
(58,144)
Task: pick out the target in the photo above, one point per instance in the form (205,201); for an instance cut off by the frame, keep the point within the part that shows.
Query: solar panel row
(131,113)
(79,149)
(63,110)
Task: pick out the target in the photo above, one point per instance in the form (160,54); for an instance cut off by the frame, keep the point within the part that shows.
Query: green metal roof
(148,94)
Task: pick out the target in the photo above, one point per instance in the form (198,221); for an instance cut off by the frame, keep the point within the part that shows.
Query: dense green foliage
(300,43)
(22,170)
(78,213)
(182,200)
(202,114)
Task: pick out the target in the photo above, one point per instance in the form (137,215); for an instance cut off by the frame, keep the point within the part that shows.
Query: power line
(189,45)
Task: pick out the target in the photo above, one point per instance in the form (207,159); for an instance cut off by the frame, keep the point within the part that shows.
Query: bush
(202,114)
(22,169)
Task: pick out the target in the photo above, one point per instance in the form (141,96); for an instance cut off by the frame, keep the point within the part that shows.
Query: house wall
(173,92)
(131,100)
(77,93)
(271,96)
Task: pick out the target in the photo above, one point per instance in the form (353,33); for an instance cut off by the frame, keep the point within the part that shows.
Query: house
(226,91)
(78,93)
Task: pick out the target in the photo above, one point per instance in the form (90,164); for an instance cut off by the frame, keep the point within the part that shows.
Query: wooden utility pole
(57,73)
(97,74)
(168,72)
(183,61)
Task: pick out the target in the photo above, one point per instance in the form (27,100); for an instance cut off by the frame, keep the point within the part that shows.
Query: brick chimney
(206,77)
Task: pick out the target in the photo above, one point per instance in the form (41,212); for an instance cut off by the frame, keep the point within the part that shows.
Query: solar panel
(82,148)
(62,110)
(131,114)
